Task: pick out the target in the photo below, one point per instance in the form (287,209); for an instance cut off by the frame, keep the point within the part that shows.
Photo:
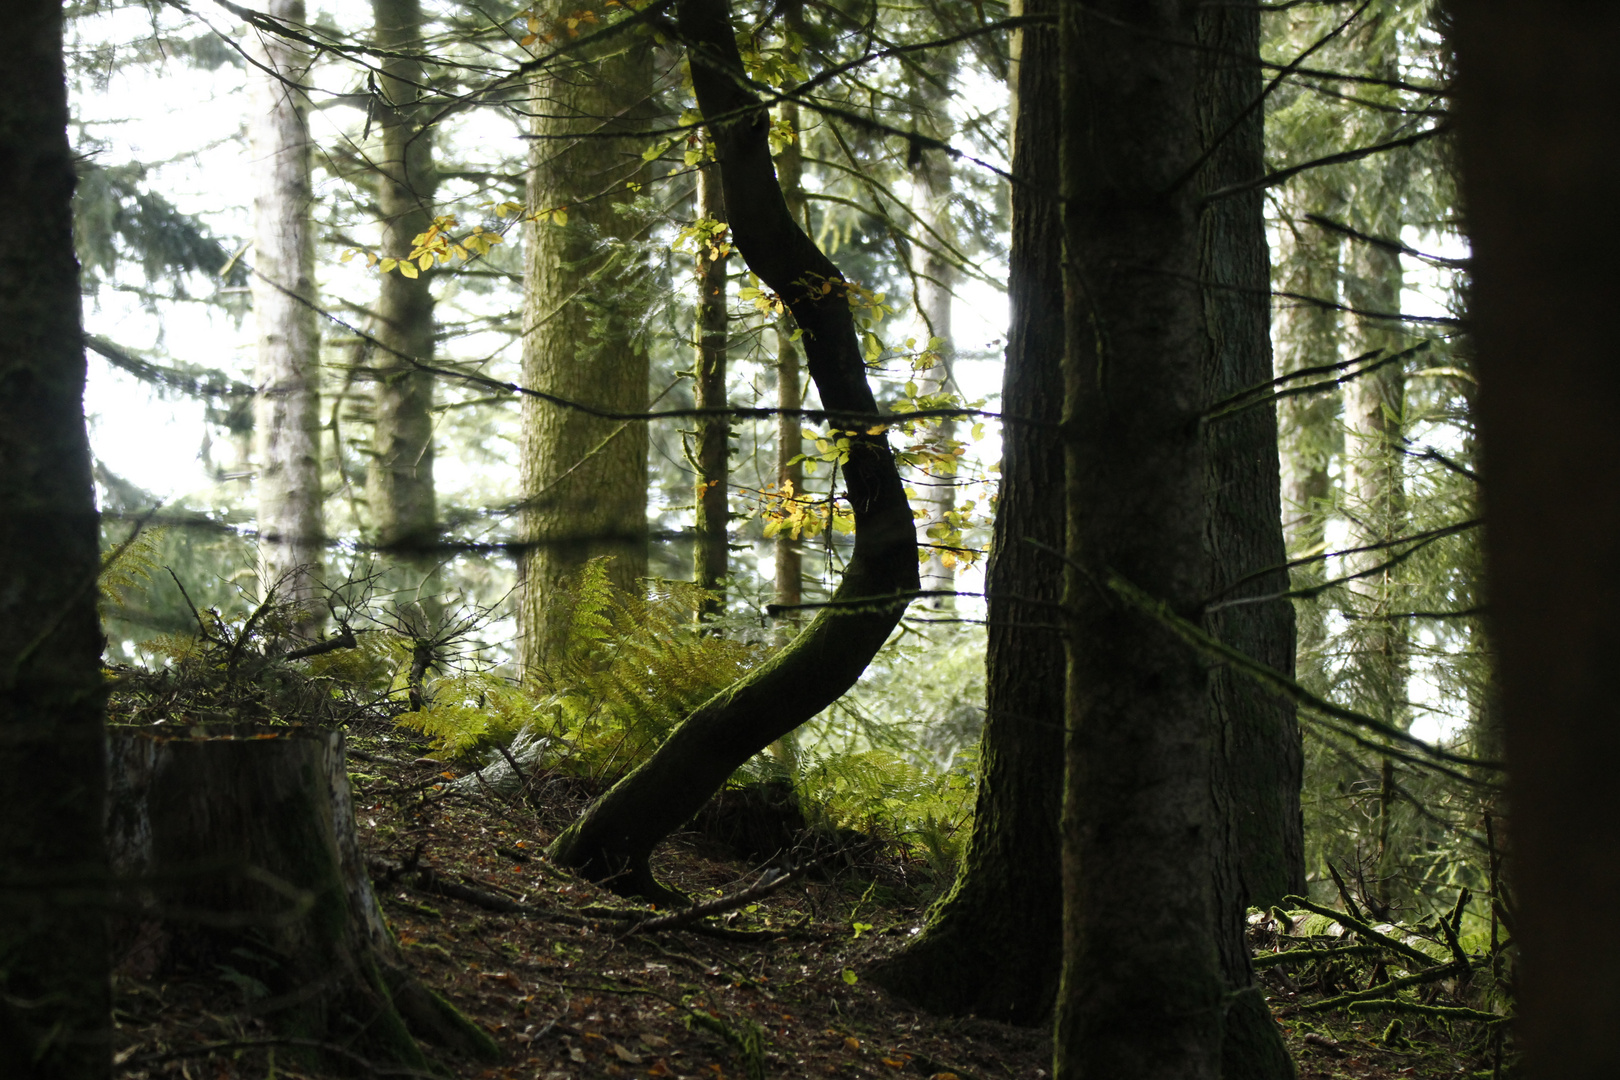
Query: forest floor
(771,988)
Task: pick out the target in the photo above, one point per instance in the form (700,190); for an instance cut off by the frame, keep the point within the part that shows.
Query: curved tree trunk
(239,846)
(54,993)
(991,947)
(286,414)
(400,488)
(615,836)
(789,386)
(584,479)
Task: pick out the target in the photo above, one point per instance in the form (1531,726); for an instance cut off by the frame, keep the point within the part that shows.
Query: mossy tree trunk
(54,994)
(991,947)
(286,415)
(400,485)
(584,479)
(240,851)
(1540,152)
(615,836)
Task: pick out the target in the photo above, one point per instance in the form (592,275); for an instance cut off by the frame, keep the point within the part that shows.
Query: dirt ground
(771,988)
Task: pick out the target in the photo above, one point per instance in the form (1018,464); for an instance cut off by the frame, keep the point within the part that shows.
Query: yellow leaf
(852,1044)
(425,262)
(347,255)
(408,269)
(388,265)
(560,215)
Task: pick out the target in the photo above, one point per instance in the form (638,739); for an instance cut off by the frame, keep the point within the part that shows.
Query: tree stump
(236,854)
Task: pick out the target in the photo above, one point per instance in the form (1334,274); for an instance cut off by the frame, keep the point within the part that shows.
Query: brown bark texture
(400,489)
(615,836)
(991,947)
(712,554)
(1540,152)
(286,411)
(584,479)
(236,847)
(1258,756)
(54,995)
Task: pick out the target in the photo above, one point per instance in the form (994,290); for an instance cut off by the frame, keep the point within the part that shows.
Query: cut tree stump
(236,854)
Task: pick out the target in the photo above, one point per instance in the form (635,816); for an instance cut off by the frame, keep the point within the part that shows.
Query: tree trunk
(286,420)
(1258,754)
(991,947)
(240,847)
(712,554)
(615,836)
(584,479)
(1540,149)
(789,386)
(935,293)
(54,995)
(403,510)
(1143,979)
(1307,335)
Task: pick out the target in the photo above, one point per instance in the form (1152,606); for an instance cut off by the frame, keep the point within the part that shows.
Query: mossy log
(236,853)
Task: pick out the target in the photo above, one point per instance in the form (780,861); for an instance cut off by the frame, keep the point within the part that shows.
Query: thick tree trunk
(1258,755)
(584,479)
(54,1001)
(991,947)
(1143,976)
(286,420)
(239,846)
(615,836)
(400,487)
(1540,143)
(712,554)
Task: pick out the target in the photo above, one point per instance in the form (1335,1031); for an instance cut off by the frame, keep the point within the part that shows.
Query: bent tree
(54,1009)
(615,836)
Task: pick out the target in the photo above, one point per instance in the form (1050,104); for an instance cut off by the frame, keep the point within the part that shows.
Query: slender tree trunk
(403,510)
(1375,467)
(286,418)
(584,479)
(712,554)
(616,835)
(1540,149)
(935,294)
(1308,335)
(991,947)
(55,1022)
(789,386)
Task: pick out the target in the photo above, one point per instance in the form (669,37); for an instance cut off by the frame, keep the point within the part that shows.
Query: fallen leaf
(654,1042)
(625,1055)
(852,1044)
(577,1054)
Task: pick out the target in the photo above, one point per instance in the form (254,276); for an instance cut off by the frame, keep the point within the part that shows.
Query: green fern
(628,669)
(128,567)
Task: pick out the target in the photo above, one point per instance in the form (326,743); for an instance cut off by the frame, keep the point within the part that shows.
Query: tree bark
(403,509)
(55,1022)
(286,420)
(789,386)
(584,479)
(991,947)
(615,836)
(1258,755)
(239,848)
(1540,151)
(712,554)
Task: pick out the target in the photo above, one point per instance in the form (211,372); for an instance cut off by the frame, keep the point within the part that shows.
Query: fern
(129,567)
(627,671)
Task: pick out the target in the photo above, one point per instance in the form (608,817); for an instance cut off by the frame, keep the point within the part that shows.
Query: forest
(692,538)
